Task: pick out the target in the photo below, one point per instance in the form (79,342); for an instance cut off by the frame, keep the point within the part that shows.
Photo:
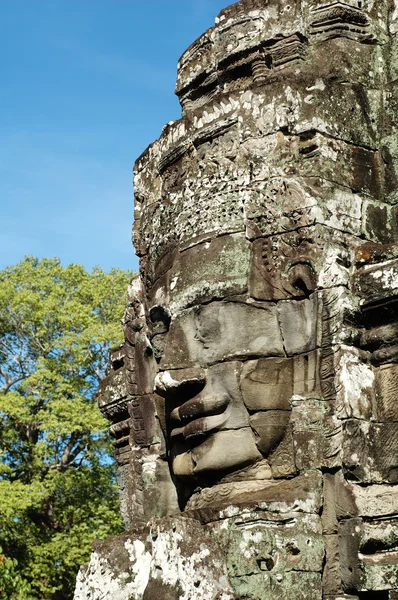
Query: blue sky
(86,85)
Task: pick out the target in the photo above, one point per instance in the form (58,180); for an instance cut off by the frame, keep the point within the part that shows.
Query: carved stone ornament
(254,404)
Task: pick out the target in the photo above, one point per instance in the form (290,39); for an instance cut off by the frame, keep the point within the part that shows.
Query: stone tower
(254,404)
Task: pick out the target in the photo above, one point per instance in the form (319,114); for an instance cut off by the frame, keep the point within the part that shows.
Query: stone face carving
(254,403)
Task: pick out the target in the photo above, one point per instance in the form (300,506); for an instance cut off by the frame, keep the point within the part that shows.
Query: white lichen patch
(333,271)
(356,380)
(160,296)
(248,543)
(387,278)
(229,511)
(141,563)
(165,558)
(149,464)
(318,85)
(307,505)
(99,582)
(328,152)
(176,569)
(164,381)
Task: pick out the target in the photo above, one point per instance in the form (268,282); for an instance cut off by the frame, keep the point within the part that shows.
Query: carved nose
(188,382)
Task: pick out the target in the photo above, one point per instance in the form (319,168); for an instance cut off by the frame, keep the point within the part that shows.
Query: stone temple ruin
(254,404)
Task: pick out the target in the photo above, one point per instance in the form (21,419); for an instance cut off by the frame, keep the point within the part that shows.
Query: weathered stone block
(386,385)
(380,571)
(176,557)
(329,514)
(270,383)
(290,543)
(316,435)
(269,428)
(298,323)
(378,282)
(299,494)
(331,579)
(222,330)
(267,383)
(377,222)
(354,383)
(374,500)
(349,543)
(215,269)
(370,450)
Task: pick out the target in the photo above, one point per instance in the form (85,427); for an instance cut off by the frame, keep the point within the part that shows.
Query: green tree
(57,490)
(12,585)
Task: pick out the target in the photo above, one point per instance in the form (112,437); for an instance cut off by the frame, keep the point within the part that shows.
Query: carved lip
(200,426)
(200,415)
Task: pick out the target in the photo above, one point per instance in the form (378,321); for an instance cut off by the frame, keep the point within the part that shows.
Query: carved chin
(183,465)
(221,452)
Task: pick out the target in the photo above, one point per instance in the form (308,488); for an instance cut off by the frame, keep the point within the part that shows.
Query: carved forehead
(262,100)
(271,163)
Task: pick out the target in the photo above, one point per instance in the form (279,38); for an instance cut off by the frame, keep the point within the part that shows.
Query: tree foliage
(12,585)
(57,488)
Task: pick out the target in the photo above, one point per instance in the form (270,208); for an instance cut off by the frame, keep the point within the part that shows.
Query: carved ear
(301,280)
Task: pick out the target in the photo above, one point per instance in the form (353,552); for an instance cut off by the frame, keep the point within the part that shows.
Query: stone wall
(254,403)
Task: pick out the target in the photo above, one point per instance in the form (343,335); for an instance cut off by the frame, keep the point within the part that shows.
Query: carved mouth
(200,426)
(199,416)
